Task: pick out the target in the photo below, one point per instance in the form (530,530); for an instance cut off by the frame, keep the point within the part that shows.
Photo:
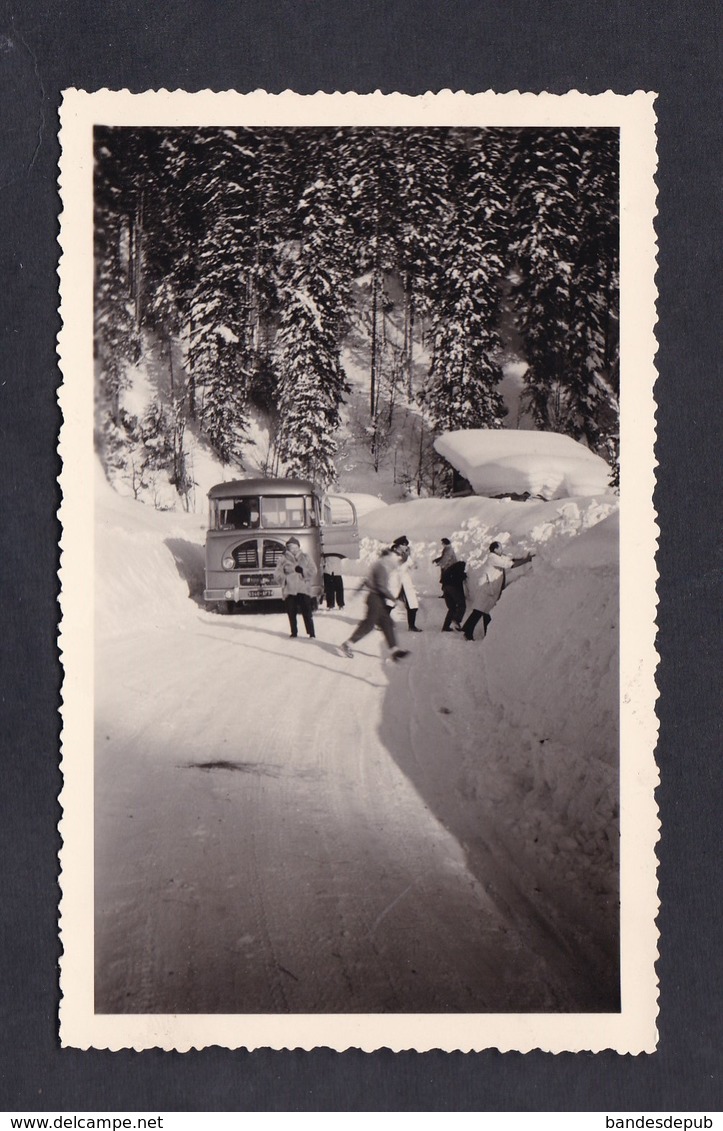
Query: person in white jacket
(404,586)
(490,583)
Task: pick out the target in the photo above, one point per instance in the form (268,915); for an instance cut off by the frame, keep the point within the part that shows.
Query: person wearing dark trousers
(450,592)
(453,579)
(299,603)
(407,592)
(295,573)
(473,620)
(333,586)
(490,584)
(411,611)
(380,602)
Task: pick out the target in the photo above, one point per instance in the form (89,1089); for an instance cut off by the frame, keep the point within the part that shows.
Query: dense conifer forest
(243,256)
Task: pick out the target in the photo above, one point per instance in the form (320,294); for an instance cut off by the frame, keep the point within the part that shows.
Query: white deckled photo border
(633,1029)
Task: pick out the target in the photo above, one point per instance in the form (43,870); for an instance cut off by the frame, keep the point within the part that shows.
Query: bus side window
(342,511)
(327,513)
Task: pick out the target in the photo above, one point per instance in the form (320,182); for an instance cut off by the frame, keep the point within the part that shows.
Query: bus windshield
(271,512)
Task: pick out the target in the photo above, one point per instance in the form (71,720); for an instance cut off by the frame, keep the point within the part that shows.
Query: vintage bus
(249,521)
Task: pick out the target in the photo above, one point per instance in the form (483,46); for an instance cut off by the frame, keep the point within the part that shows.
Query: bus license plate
(261,593)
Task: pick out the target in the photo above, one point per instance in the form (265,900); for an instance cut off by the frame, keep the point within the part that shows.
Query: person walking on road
(453,580)
(295,573)
(380,602)
(490,584)
(407,592)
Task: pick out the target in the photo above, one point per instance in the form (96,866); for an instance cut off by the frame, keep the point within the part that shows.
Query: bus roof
(261,487)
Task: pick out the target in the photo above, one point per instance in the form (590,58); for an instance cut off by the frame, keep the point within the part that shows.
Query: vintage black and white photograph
(353,461)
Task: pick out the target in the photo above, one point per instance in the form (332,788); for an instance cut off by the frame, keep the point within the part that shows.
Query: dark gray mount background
(412,46)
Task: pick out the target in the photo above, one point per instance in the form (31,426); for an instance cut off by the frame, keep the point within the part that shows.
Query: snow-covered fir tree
(311,381)
(369,167)
(462,390)
(117,333)
(223,186)
(593,335)
(425,166)
(566,246)
(224,416)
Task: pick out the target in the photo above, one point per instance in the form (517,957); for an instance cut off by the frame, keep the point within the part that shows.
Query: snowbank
(549,666)
(551,653)
(545,465)
(147,562)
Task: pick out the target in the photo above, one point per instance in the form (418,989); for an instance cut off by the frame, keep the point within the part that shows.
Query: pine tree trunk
(607,356)
(421,457)
(138,261)
(373,372)
(179,428)
(124,253)
(191,374)
(252,316)
(131,256)
(408,330)
(397,375)
(410,346)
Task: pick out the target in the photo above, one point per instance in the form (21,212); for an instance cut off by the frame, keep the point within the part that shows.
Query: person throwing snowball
(490,584)
(380,602)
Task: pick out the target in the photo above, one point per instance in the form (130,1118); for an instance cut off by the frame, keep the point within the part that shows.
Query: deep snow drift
(515,736)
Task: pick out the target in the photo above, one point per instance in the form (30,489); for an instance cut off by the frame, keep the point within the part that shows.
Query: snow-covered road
(272,834)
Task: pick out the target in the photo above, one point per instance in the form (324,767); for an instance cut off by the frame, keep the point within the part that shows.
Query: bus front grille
(246,556)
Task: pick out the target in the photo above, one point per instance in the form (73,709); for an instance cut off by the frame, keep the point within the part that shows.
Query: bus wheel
(226,607)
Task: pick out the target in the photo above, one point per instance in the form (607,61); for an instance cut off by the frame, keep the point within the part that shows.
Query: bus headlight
(227,562)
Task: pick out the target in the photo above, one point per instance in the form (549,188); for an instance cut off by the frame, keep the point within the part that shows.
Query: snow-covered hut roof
(506,461)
